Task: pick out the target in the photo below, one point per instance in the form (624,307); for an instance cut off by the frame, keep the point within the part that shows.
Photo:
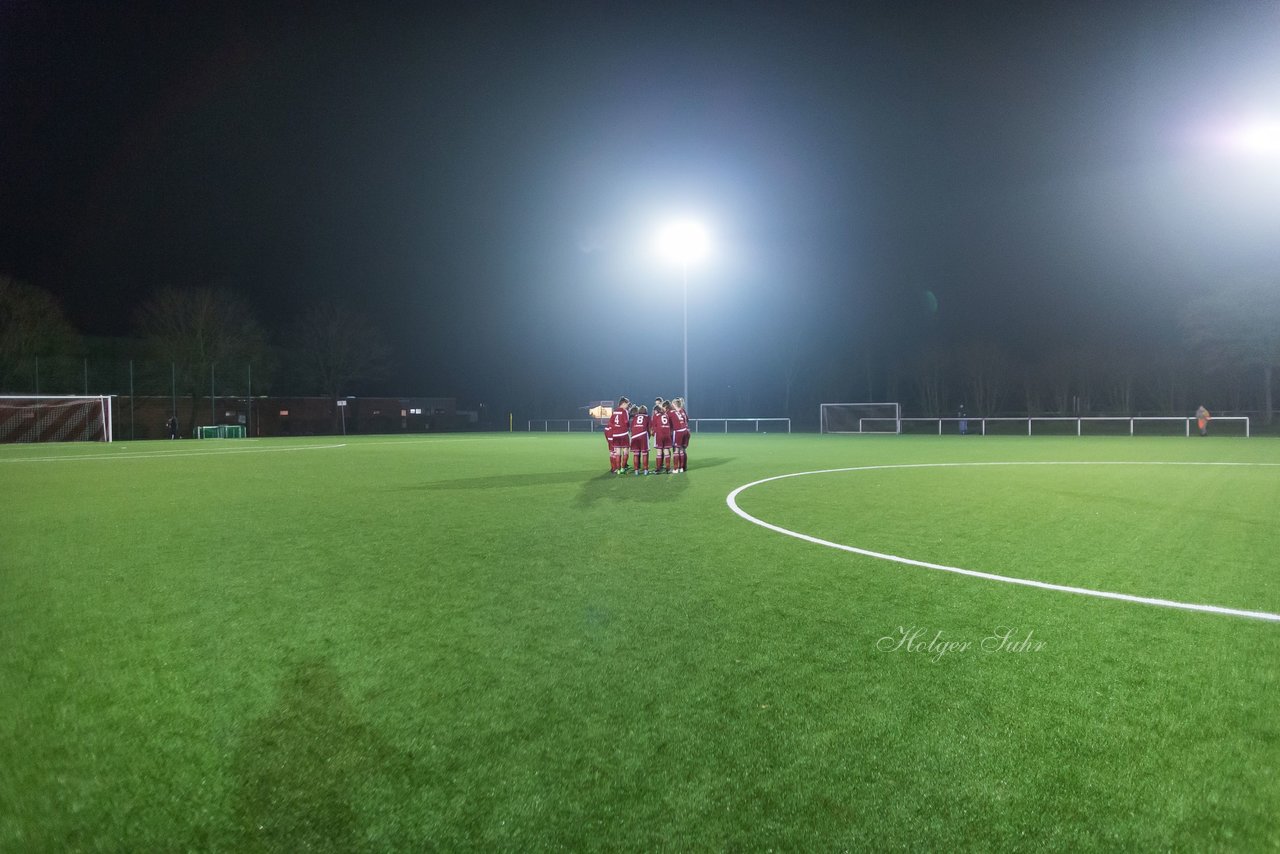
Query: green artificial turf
(490,642)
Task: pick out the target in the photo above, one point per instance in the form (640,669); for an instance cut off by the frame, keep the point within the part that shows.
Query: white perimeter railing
(1079,421)
(563,425)
(590,425)
(756,421)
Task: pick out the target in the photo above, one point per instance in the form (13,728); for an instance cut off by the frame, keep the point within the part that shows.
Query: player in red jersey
(662,433)
(618,432)
(680,433)
(640,439)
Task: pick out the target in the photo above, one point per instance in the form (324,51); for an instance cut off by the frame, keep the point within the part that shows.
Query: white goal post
(860,418)
(55,418)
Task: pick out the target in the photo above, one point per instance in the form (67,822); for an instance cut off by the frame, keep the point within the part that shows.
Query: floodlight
(1257,137)
(684,241)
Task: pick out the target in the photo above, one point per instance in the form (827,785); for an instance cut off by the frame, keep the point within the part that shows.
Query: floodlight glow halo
(1259,137)
(1255,136)
(684,241)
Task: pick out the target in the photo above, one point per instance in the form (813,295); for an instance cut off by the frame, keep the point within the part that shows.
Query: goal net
(55,419)
(860,418)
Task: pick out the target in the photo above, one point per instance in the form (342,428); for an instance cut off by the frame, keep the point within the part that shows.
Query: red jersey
(680,420)
(640,425)
(662,424)
(617,428)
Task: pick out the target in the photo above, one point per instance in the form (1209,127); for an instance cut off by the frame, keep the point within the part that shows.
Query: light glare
(1258,137)
(684,241)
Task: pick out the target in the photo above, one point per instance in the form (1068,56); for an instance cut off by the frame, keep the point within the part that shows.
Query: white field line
(732,501)
(433,440)
(159,455)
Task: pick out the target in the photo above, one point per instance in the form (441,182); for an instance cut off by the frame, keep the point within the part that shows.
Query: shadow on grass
(302,768)
(595,483)
(507,481)
(629,487)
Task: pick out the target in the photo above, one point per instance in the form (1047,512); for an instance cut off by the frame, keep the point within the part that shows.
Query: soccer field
(487,641)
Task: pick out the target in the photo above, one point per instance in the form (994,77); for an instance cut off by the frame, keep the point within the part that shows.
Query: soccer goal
(860,418)
(55,419)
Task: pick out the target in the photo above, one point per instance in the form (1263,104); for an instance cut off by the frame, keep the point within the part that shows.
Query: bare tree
(985,369)
(1030,377)
(1238,328)
(929,370)
(1118,375)
(31,325)
(793,369)
(1165,383)
(1067,376)
(197,329)
(335,346)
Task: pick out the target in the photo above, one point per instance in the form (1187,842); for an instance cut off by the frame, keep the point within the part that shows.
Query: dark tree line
(1238,334)
(31,325)
(1224,353)
(1226,357)
(330,349)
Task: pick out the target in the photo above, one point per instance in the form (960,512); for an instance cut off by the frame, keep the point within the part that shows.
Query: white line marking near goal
(164,455)
(732,501)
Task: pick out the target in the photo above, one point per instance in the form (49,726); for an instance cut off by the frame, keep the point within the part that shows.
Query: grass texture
(488,642)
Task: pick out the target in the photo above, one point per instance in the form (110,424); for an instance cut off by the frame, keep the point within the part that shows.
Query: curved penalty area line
(732,501)
(164,455)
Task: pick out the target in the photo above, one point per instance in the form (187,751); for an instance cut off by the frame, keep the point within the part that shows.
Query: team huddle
(630,427)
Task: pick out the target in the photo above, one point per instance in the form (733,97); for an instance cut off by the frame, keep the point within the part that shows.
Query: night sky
(485,180)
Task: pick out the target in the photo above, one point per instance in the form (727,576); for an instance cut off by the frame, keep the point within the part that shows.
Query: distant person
(964,420)
(1203,417)
(171,426)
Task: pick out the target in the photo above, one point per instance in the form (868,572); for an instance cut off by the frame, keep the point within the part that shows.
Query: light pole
(684,242)
(684,276)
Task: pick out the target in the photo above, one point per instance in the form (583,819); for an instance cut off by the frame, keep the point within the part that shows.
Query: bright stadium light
(1258,136)
(684,242)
